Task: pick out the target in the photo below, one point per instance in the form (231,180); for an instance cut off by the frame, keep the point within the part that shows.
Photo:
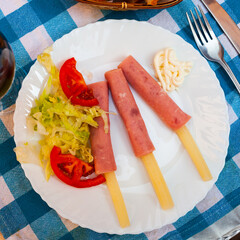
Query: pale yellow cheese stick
(117,199)
(157,180)
(194,152)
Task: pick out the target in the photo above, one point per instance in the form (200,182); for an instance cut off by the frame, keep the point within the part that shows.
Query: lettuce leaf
(59,122)
(63,125)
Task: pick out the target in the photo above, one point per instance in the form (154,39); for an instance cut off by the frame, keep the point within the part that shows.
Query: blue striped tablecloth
(31,26)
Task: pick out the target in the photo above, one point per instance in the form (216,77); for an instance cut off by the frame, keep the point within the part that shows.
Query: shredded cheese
(169,70)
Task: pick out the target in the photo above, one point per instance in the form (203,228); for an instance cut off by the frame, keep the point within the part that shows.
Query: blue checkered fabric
(31,26)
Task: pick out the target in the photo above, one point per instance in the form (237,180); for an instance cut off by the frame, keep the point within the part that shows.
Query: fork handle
(230,73)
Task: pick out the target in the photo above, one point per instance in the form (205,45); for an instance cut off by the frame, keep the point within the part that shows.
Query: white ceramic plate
(100,47)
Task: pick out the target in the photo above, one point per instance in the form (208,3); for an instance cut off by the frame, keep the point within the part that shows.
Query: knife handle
(230,73)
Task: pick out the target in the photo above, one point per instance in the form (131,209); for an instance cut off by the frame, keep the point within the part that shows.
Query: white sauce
(169,70)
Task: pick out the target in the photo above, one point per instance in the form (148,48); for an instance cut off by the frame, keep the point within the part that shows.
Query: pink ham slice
(153,94)
(101,144)
(129,112)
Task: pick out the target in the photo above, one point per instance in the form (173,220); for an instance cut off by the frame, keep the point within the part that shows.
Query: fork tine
(195,36)
(198,29)
(212,34)
(202,25)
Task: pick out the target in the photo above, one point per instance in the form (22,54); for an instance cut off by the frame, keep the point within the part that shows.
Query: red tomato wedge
(85,98)
(71,80)
(74,86)
(70,170)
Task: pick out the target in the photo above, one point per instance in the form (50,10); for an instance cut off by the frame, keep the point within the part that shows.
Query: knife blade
(228,26)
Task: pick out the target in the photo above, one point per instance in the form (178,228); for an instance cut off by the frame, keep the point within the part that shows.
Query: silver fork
(209,45)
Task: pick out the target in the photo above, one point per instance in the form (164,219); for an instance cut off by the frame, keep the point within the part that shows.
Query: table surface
(23,214)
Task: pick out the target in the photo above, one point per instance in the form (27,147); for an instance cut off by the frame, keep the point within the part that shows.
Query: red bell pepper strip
(70,169)
(74,86)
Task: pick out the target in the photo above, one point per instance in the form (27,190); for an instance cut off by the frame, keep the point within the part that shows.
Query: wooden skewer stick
(157,181)
(194,152)
(117,199)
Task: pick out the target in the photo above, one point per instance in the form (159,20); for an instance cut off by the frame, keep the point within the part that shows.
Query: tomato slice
(71,80)
(74,86)
(85,98)
(70,170)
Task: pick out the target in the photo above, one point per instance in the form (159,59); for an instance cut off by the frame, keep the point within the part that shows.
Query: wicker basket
(127,5)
